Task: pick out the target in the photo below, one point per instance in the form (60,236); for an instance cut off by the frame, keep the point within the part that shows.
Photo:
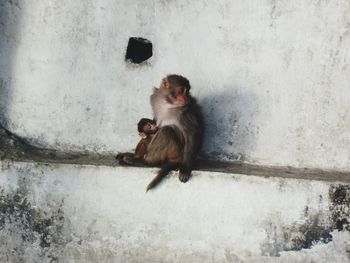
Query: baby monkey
(146,128)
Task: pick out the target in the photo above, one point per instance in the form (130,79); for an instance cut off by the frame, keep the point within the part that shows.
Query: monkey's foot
(119,156)
(184,175)
(124,158)
(128,159)
(122,162)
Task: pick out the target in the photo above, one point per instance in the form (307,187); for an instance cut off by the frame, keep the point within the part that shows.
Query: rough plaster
(272,76)
(273,80)
(75,213)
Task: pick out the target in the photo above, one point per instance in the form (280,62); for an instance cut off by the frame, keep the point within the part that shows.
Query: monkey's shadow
(230,125)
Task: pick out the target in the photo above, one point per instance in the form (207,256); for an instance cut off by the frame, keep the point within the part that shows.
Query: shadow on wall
(230,127)
(10,18)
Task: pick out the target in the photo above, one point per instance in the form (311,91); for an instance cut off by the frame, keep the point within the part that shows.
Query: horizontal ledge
(14,148)
(201,165)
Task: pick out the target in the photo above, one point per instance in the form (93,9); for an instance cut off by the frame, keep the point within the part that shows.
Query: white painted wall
(102,214)
(272,76)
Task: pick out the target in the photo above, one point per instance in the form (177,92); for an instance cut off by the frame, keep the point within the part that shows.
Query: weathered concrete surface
(77,213)
(272,76)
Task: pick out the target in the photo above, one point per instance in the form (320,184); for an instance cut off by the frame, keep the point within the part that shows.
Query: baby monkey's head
(146,127)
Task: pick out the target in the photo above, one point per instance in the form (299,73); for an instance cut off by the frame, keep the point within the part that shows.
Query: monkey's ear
(143,135)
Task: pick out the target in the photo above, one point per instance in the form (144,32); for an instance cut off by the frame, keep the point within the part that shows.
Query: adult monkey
(179,138)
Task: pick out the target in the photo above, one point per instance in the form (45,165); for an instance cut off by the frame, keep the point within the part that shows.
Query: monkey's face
(177,95)
(150,128)
(176,90)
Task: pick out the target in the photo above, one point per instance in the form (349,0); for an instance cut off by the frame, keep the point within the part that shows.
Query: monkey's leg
(163,149)
(162,146)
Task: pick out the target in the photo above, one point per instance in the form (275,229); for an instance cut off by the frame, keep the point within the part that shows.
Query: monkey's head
(176,88)
(146,127)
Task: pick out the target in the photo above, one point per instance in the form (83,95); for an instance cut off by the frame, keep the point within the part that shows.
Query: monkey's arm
(192,124)
(188,159)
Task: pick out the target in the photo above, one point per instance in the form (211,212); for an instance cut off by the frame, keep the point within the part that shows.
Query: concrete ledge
(85,213)
(15,148)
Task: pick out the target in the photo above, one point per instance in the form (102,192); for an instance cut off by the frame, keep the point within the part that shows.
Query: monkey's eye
(179,90)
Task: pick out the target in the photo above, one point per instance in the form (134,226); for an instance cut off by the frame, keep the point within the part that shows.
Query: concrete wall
(74,213)
(272,76)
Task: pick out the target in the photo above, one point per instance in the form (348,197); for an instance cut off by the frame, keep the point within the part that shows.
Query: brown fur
(179,138)
(141,148)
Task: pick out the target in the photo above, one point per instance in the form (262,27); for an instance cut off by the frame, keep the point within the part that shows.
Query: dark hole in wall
(138,50)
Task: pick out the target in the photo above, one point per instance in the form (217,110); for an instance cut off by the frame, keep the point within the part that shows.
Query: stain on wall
(340,206)
(299,235)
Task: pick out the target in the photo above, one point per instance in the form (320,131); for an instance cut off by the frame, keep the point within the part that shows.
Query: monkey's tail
(164,170)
